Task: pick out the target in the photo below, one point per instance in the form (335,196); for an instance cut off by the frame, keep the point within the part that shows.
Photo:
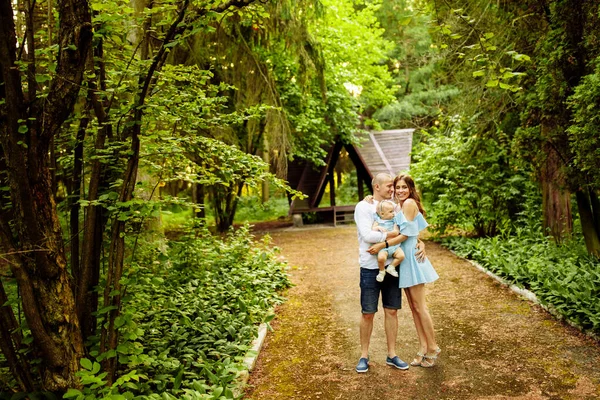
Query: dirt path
(495,344)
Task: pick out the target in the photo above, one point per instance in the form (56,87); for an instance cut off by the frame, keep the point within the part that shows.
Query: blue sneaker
(363,365)
(395,362)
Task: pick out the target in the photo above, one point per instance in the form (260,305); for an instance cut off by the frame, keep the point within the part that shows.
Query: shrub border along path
(495,344)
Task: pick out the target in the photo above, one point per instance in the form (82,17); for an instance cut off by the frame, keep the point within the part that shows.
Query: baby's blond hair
(389,205)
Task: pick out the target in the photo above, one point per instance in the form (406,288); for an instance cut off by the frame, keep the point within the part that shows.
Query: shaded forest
(109,109)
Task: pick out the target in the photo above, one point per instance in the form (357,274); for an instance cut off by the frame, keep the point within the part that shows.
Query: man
(370,289)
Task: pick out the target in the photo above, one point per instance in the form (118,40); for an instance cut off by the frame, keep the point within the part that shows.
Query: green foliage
(252,209)
(192,311)
(414,106)
(584,133)
(354,49)
(468,180)
(563,277)
(416,66)
(484,48)
(347,192)
(354,79)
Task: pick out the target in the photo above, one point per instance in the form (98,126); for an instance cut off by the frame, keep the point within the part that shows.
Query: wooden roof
(385,151)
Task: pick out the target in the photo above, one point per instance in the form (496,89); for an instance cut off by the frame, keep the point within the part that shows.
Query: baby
(384,222)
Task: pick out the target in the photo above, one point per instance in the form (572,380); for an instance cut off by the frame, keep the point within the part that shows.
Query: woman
(413,274)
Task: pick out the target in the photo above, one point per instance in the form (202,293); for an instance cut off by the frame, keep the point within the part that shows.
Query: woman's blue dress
(411,271)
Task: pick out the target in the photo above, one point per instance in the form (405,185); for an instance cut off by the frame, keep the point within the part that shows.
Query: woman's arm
(377,247)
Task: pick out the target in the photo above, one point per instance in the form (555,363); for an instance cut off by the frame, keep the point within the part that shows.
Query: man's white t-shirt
(364,218)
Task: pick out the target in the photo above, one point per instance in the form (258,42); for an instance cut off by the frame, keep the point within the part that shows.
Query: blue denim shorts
(391,295)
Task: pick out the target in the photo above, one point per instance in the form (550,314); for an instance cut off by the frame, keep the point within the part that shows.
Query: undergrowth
(193,309)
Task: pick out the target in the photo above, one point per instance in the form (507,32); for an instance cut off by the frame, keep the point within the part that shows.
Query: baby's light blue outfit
(411,271)
(388,225)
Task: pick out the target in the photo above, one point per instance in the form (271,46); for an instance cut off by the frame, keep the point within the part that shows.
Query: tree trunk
(96,217)
(44,283)
(225,201)
(112,290)
(10,344)
(556,199)
(267,159)
(198,198)
(331,188)
(587,203)
(74,198)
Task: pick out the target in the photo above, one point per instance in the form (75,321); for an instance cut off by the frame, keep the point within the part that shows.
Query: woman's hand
(369,199)
(420,254)
(376,248)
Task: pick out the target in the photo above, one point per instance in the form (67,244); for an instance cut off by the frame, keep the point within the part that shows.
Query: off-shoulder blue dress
(411,271)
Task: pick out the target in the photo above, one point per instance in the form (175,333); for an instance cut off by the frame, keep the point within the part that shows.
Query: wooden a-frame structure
(384,151)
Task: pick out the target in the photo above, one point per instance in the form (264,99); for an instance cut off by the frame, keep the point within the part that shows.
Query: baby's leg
(381,257)
(398,257)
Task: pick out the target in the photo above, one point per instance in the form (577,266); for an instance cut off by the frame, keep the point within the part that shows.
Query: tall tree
(30,226)
(544,77)
(37,96)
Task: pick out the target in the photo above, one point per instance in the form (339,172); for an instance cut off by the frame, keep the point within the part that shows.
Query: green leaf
(178,379)
(217,393)
(71,393)
(85,363)
(41,78)
(95,368)
(405,21)
(269,318)
(492,83)
(478,73)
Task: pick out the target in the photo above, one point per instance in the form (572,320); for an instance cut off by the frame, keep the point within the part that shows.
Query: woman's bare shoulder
(409,203)
(410,209)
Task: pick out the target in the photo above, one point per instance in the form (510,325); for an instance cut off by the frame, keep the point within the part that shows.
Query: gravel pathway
(495,344)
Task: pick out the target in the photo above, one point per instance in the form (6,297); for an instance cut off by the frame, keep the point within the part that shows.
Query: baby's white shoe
(391,270)
(380,276)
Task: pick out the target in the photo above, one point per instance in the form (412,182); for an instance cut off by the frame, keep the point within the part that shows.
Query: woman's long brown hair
(413,194)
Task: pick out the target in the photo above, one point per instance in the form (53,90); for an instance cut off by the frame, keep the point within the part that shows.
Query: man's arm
(363,216)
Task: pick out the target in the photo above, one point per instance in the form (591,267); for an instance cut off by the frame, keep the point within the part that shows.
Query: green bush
(469,181)
(563,276)
(191,313)
(202,312)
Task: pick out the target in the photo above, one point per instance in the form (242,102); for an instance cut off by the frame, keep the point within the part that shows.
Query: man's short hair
(380,178)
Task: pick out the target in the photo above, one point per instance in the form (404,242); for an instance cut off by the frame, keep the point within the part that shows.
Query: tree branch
(75,30)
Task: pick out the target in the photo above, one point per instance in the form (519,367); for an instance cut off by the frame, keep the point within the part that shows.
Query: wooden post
(361,191)
(331,189)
